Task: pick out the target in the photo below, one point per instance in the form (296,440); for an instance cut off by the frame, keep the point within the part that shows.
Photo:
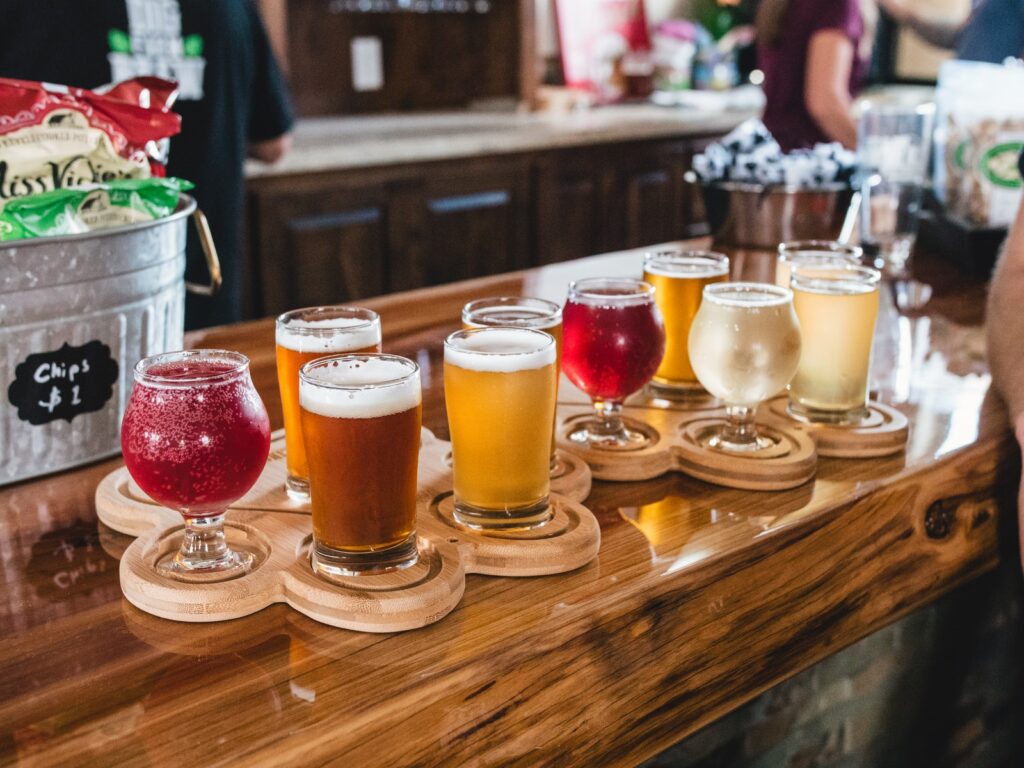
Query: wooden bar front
(700,599)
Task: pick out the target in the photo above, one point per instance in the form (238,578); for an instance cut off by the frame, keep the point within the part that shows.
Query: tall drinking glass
(521,312)
(893,145)
(614,342)
(499,389)
(303,335)
(744,347)
(813,252)
(837,307)
(195,437)
(361,417)
(679,278)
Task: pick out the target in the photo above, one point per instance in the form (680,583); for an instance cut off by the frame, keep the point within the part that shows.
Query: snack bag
(90,207)
(54,137)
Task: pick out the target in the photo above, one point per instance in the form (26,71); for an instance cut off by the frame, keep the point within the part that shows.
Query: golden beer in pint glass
(303,335)
(837,307)
(361,417)
(499,388)
(521,312)
(813,252)
(679,278)
(744,347)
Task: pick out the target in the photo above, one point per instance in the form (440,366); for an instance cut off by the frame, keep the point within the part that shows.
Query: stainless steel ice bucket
(746,215)
(76,314)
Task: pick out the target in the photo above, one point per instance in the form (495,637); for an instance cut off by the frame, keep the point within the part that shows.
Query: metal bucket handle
(212,260)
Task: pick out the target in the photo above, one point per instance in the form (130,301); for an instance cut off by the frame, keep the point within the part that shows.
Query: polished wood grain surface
(700,598)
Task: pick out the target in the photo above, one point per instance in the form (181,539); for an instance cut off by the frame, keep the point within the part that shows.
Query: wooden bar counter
(700,599)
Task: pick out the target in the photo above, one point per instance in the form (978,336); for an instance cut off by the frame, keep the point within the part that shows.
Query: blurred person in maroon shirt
(815,56)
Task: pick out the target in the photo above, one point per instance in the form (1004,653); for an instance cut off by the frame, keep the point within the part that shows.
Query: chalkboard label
(64,383)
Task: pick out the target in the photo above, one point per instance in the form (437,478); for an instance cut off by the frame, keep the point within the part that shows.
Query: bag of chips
(90,207)
(55,137)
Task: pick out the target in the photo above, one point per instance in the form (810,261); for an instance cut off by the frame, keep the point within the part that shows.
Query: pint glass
(304,335)
(499,388)
(521,312)
(361,417)
(679,278)
(811,253)
(837,307)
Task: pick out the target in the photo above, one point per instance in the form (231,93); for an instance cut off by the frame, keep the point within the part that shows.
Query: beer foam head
(686,264)
(500,350)
(360,387)
(328,335)
(748,295)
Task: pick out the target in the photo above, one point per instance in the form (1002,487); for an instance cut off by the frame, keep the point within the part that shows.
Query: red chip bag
(54,137)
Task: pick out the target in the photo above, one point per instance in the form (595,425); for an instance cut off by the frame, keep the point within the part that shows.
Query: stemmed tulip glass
(613,342)
(744,348)
(195,438)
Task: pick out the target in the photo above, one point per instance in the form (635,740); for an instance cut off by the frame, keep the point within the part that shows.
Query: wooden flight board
(277,530)
(883,432)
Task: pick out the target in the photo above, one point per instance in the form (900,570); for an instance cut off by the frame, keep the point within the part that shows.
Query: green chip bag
(90,207)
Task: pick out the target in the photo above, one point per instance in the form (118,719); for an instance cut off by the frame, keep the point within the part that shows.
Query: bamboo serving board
(884,432)
(277,531)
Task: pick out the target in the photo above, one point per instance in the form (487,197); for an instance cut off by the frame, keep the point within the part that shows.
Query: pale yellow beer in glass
(679,278)
(521,312)
(499,389)
(837,307)
(813,252)
(303,335)
(744,348)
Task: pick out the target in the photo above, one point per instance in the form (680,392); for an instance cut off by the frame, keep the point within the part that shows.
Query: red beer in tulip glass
(613,342)
(195,437)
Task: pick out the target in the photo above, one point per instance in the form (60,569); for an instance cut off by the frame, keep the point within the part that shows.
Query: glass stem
(609,417)
(204,543)
(740,428)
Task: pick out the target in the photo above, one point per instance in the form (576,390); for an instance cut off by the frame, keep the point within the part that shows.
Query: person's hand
(897,9)
(1019,431)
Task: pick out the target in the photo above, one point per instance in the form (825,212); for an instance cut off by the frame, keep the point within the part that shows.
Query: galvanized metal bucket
(750,216)
(76,314)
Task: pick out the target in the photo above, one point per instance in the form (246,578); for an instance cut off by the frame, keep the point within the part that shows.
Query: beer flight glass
(303,335)
(614,341)
(195,437)
(679,278)
(837,306)
(521,312)
(744,347)
(813,252)
(499,389)
(361,418)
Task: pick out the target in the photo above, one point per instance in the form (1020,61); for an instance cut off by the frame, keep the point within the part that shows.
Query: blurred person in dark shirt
(993,32)
(232,98)
(815,56)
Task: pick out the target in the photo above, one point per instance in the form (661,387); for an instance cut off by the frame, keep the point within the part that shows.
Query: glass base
(850,418)
(685,390)
(230,565)
(591,433)
(329,562)
(521,519)
(720,442)
(297,488)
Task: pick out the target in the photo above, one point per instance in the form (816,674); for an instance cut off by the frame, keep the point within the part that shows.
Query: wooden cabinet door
(572,195)
(475,221)
(322,246)
(650,183)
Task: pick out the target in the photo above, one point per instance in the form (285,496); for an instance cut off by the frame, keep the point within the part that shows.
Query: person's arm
(270,150)
(1004,324)
(271,117)
(943,34)
(827,85)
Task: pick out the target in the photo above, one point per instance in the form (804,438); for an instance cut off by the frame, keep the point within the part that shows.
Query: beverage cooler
(77,313)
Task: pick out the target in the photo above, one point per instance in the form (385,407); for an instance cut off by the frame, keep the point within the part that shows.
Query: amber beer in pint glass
(499,388)
(679,278)
(521,312)
(304,335)
(837,307)
(361,417)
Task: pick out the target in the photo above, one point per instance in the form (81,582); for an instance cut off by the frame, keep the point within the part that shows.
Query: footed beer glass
(744,347)
(195,438)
